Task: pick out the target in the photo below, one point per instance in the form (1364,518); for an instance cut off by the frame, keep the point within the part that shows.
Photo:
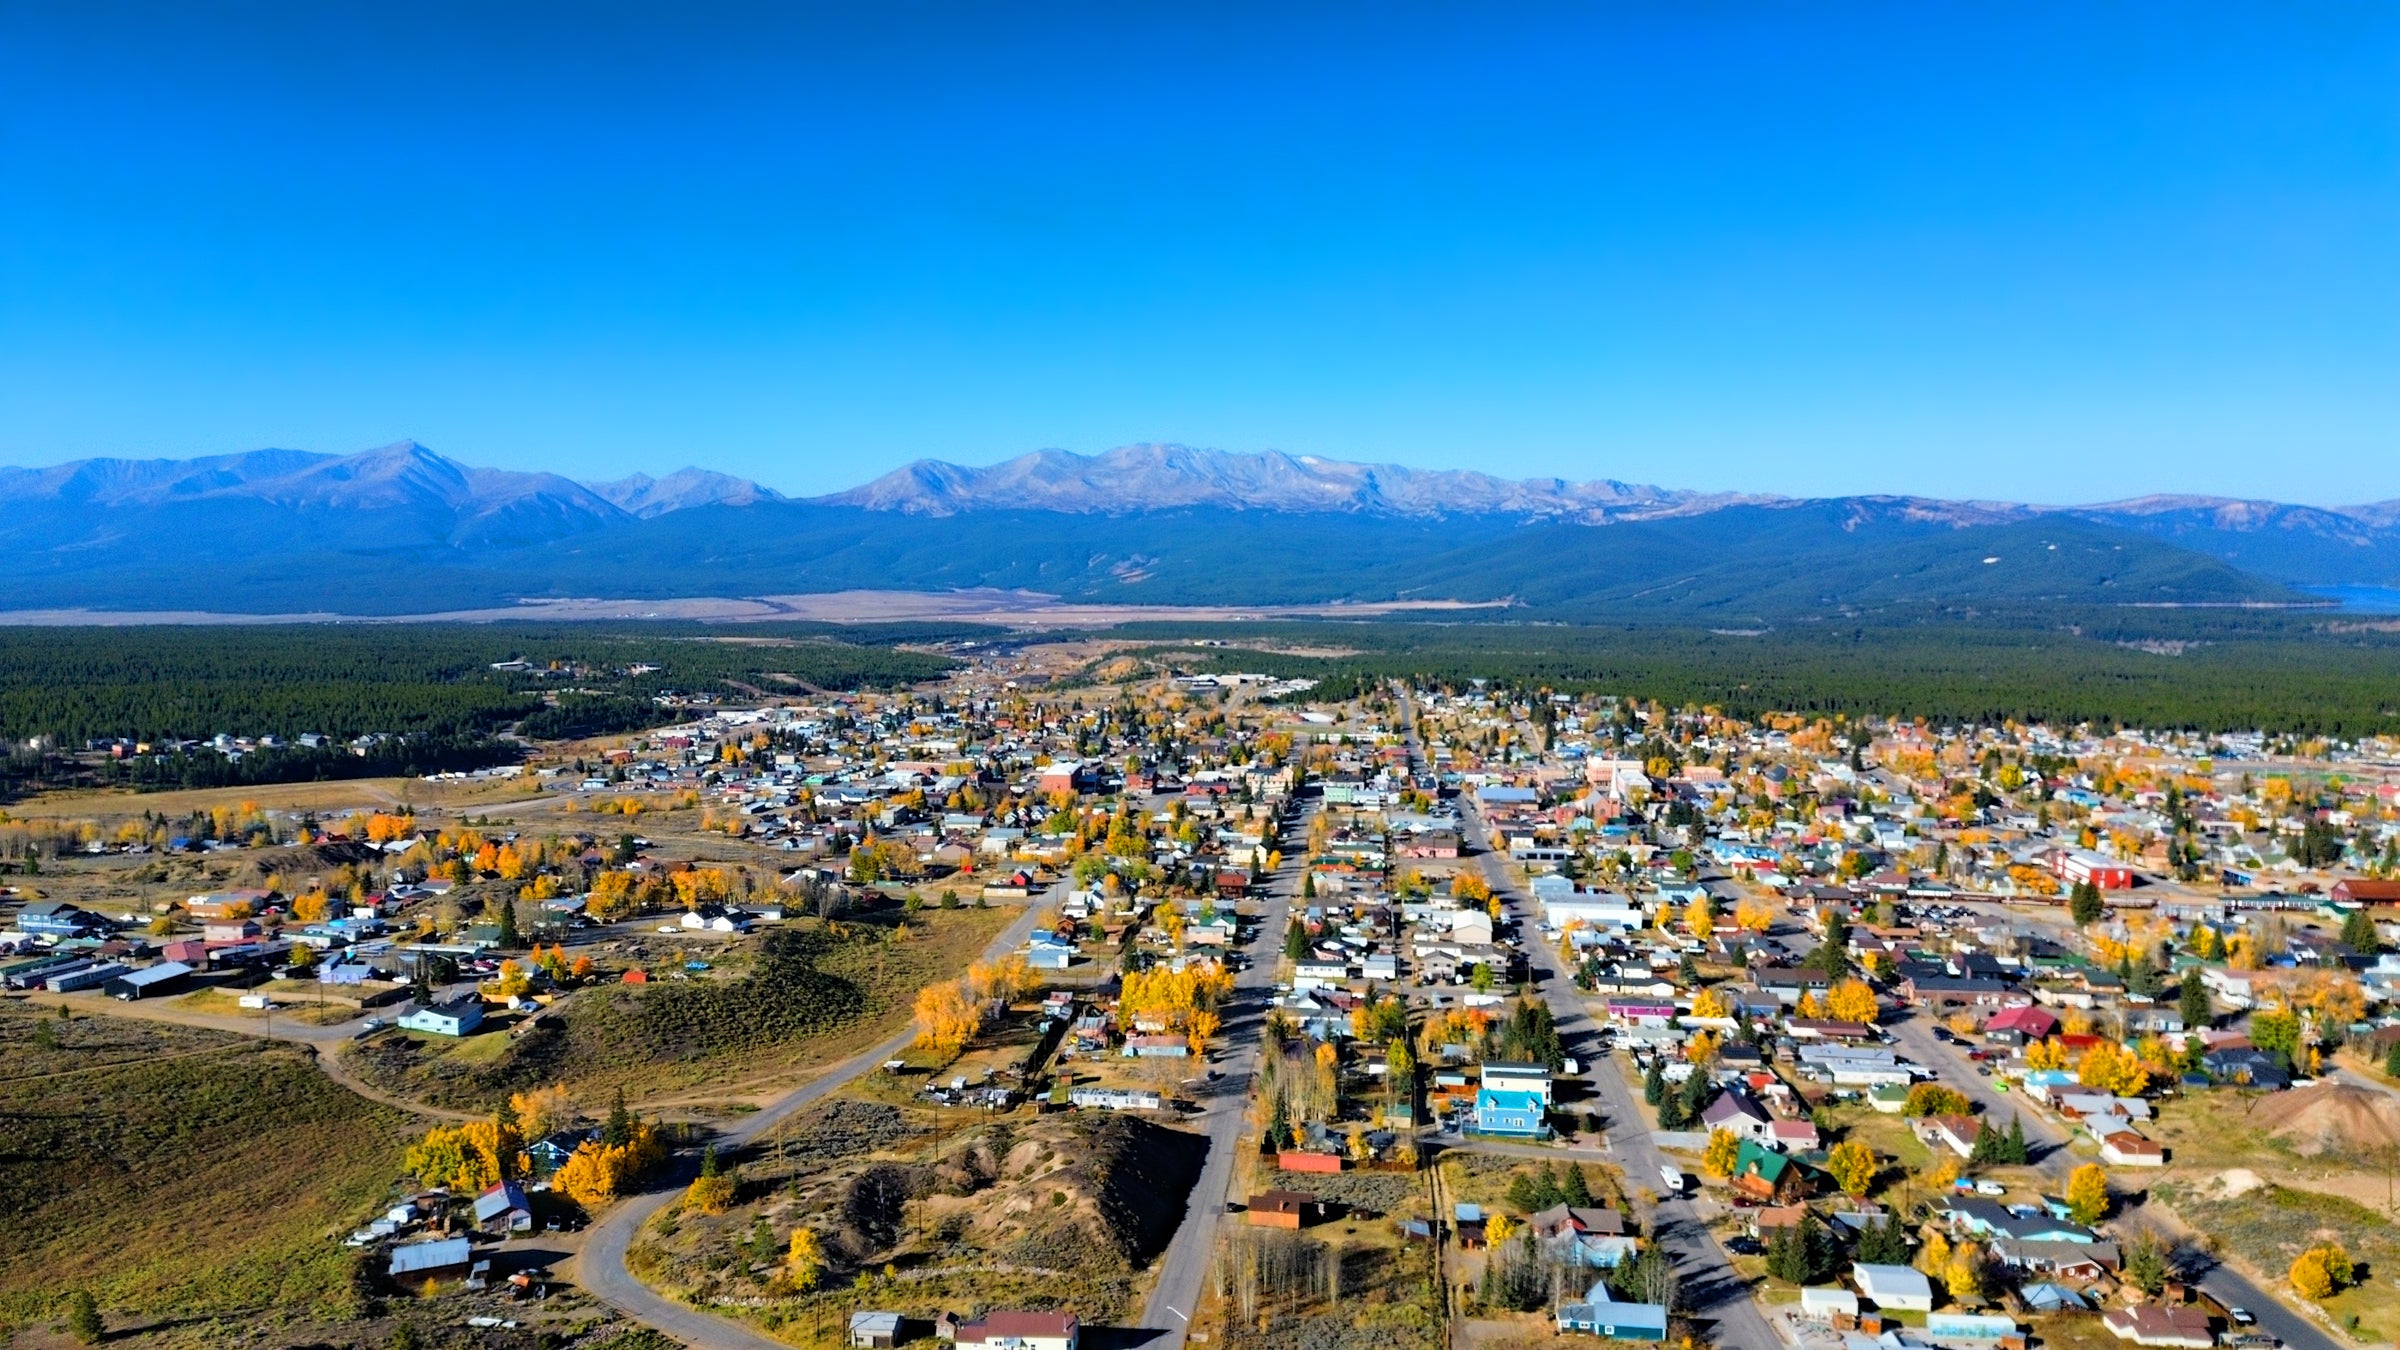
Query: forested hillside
(73,685)
(2213,672)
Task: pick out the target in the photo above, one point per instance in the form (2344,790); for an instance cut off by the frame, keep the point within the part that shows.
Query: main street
(2054,1162)
(1710,1287)
(1183,1269)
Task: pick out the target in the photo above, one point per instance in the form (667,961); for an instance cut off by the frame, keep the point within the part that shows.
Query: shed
(1828,1302)
(875,1330)
(1283,1209)
(438,1258)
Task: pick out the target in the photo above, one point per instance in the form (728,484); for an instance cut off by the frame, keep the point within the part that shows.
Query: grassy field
(179,1174)
(2266,1226)
(730,1035)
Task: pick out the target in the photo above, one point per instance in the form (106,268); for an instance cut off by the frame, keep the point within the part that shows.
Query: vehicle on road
(1672,1176)
(1990,1188)
(2240,1317)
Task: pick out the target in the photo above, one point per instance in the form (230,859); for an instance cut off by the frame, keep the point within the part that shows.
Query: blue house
(1509,1112)
(1599,1315)
(57,918)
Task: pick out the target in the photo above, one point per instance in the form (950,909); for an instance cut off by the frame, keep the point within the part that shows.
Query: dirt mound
(1068,1191)
(2332,1117)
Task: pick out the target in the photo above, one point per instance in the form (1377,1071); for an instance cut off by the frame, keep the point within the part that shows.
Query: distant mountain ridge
(1137,478)
(402,529)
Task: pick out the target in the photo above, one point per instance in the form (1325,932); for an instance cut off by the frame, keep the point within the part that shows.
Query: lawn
(180,1173)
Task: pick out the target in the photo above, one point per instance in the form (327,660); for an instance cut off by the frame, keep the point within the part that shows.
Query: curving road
(600,1268)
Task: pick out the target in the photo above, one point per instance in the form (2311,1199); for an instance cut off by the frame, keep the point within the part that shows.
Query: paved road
(600,1269)
(1711,1288)
(2223,1283)
(324,1043)
(1183,1269)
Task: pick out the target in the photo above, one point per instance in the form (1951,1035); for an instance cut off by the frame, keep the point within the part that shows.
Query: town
(1085,996)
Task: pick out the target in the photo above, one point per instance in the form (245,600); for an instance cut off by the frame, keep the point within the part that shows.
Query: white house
(455,1018)
(1894,1288)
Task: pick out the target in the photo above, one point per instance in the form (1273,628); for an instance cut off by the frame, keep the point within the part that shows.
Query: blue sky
(2058,253)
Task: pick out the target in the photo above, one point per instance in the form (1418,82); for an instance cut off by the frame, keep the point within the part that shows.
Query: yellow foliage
(541,1111)
(1851,1164)
(1852,1001)
(1723,1150)
(598,1173)
(1710,1003)
(947,1018)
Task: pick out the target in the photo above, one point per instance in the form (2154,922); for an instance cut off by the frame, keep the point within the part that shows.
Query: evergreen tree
(1689,971)
(2014,1151)
(1797,1252)
(618,1132)
(83,1318)
(1883,1244)
(1295,939)
(1654,1084)
(504,913)
(2084,904)
(2192,1001)
(2358,930)
(2391,1061)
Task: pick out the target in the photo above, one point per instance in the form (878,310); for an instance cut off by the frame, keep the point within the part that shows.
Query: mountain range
(403,529)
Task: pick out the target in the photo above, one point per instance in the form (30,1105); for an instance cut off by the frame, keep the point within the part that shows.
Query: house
(2124,1148)
(1893,1288)
(1735,1111)
(1021,1331)
(874,1330)
(1505,1076)
(455,1018)
(1511,1112)
(425,1262)
(1956,1133)
(230,930)
(1294,1210)
(2076,866)
(2021,1025)
(1763,1174)
(1045,952)
(2068,1260)
(1157,1047)
(2247,1066)
(1793,1136)
(1583,1236)
(1599,1315)
(57,918)
(2158,1324)
(2362,891)
(503,1209)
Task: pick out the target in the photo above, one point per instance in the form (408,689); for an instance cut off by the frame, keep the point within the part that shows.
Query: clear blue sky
(2059,253)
